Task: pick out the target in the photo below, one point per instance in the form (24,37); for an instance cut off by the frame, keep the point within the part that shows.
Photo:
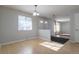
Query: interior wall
(0,26)
(52,26)
(45,34)
(9,25)
(44,31)
(65,27)
(43,25)
(76,27)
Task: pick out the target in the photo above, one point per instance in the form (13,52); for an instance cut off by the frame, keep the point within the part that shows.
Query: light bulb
(41,21)
(46,22)
(35,13)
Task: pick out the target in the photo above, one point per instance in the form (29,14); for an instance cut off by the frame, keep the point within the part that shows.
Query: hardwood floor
(33,47)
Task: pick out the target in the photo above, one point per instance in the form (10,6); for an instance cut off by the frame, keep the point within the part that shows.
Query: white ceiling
(47,10)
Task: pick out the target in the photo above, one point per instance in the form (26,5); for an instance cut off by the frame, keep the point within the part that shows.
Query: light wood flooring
(33,47)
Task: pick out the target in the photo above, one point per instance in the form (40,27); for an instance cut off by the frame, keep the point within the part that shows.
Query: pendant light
(35,13)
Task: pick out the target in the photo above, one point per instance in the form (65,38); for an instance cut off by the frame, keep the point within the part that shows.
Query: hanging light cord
(35,11)
(35,7)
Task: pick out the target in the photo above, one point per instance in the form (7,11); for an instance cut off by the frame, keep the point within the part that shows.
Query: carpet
(52,45)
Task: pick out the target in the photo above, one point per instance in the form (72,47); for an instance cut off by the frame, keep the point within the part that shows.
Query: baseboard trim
(11,42)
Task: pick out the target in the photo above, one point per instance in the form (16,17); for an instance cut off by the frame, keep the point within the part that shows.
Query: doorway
(62,27)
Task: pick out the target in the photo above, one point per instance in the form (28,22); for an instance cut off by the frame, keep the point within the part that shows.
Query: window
(24,23)
(57,27)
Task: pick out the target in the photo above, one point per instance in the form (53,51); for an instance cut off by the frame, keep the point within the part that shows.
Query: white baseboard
(6,43)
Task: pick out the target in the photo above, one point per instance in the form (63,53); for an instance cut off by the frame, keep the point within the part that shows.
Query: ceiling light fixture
(41,21)
(46,22)
(35,13)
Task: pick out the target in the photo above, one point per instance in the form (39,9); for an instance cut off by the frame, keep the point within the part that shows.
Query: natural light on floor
(52,45)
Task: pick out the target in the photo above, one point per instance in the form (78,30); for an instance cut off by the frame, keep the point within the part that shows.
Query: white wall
(0,26)
(52,25)
(76,27)
(43,25)
(65,27)
(44,31)
(9,26)
(72,28)
(45,34)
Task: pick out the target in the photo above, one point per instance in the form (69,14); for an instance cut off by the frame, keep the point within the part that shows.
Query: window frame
(26,29)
